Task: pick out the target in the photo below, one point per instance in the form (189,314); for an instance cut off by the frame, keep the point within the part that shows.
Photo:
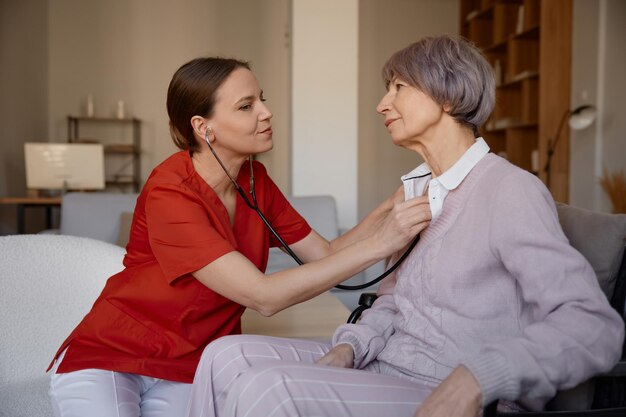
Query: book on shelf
(524,74)
(503,123)
(497,70)
(472,15)
(520,20)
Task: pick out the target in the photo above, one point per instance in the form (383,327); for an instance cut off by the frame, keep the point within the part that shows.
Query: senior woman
(197,253)
(492,303)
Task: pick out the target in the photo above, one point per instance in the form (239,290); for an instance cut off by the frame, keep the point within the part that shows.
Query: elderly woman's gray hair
(452,71)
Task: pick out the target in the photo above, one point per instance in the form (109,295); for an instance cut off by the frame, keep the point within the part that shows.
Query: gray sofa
(105,216)
(100,216)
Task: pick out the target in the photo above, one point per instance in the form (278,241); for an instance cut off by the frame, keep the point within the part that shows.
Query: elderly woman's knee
(226,346)
(219,347)
(263,385)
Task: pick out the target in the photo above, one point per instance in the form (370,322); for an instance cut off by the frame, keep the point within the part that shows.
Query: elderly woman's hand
(403,222)
(458,395)
(341,356)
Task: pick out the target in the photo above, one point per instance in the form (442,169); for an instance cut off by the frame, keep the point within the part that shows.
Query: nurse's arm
(235,277)
(314,246)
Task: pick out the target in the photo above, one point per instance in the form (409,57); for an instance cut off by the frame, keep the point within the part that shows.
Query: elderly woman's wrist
(493,376)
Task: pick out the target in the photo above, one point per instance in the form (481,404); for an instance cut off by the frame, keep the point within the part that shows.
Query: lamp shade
(582,117)
(579,118)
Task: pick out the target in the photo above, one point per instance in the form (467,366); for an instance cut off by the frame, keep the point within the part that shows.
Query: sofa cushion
(95,215)
(599,237)
(321,214)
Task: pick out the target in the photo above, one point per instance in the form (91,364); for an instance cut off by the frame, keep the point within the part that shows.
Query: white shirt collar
(457,172)
(416,181)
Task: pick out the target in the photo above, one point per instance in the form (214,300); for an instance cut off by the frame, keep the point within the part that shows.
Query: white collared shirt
(416,181)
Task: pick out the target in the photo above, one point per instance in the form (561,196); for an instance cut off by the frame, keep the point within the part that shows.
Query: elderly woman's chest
(458,269)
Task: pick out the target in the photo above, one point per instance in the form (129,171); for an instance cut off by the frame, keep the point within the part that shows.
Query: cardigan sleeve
(369,336)
(574,333)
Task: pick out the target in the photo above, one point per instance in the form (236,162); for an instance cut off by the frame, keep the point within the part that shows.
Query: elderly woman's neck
(441,151)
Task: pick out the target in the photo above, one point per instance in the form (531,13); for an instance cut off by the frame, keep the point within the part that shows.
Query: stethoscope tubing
(295,257)
(285,246)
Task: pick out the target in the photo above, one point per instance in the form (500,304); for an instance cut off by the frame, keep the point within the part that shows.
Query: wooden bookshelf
(528,42)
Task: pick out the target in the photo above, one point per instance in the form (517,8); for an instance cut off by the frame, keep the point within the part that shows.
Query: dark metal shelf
(133,149)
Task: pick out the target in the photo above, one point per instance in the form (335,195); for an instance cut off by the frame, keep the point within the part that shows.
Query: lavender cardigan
(494,285)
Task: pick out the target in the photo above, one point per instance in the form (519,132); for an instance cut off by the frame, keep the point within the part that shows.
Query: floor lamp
(579,118)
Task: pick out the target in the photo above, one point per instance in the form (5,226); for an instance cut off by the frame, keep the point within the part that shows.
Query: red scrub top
(154,318)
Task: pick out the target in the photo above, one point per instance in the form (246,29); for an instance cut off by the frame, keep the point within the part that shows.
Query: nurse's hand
(341,356)
(458,395)
(403,222)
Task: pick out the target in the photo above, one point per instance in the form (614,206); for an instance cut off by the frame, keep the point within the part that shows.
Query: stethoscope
(285,246)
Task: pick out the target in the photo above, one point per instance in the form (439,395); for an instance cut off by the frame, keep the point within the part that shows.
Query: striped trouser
(259,376)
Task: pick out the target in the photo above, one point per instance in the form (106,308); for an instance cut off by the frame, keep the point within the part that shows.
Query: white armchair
(47,284)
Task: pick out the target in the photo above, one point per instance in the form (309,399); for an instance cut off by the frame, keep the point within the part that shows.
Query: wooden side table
(22,203)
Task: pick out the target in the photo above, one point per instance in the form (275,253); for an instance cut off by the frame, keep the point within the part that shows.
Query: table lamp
(579,118)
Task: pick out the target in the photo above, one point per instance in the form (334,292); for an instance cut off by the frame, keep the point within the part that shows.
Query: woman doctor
(196,254)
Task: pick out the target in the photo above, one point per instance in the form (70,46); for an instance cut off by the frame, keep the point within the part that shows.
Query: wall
(259,31)
(385,27)
(613,156)
(23,101)
(324,102)
(339,142)
(55,53)
(598,62)
(121,50)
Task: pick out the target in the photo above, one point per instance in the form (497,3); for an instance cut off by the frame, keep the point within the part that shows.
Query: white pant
(100,393)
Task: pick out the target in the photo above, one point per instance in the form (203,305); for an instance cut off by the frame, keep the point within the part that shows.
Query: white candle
(90,110)
(534,160)
(120,109)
